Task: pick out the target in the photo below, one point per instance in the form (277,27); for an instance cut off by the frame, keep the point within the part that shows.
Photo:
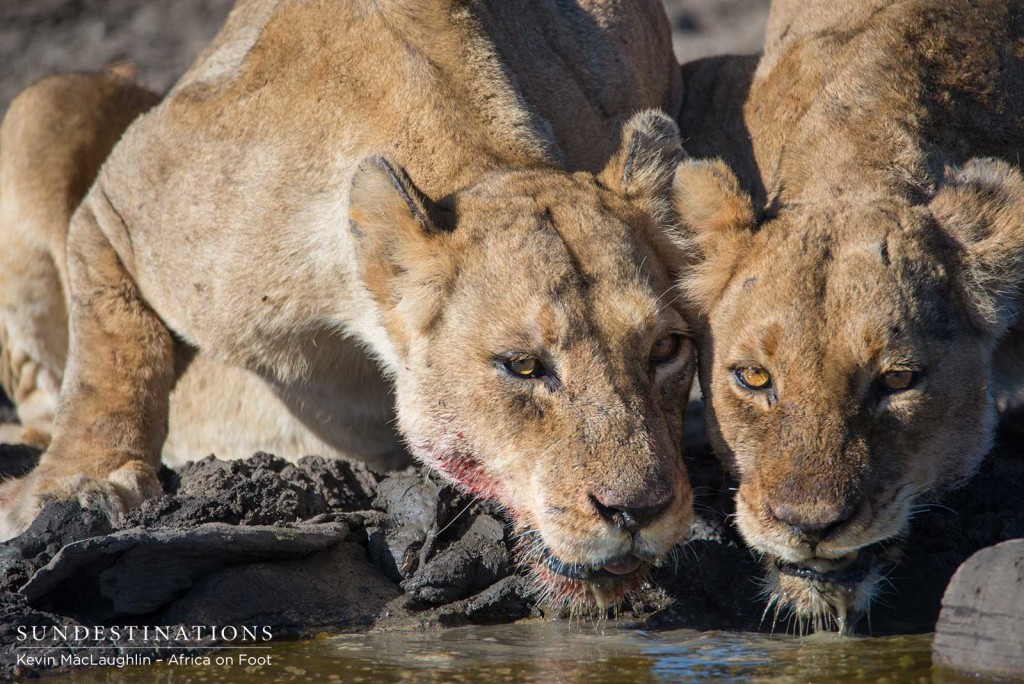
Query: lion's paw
(22,499)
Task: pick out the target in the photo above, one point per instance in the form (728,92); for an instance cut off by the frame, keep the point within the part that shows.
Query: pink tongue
(624,566)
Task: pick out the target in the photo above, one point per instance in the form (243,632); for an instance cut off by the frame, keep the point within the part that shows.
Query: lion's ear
(981,206)
(399,240)
(716,219)
(647,156)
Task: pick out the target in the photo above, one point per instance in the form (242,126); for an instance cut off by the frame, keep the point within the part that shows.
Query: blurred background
(162,37)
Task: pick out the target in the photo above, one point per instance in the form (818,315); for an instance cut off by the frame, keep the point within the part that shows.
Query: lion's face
(544,364)
(846,383)
(846,361)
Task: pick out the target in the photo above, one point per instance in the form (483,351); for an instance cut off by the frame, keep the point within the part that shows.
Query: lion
(858,225)
(458,210)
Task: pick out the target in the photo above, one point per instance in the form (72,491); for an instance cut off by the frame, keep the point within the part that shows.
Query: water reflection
(558,652)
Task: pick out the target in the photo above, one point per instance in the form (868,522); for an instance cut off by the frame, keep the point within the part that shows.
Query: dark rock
(59,523)
(15,613)
(417,509)
(337,587)
(478,559)
(441,545)
(505,601)
(981,627)
(260,490)
(342,485)
(138,571)
(96,641)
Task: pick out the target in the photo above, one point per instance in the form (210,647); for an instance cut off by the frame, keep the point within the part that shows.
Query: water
(557,652)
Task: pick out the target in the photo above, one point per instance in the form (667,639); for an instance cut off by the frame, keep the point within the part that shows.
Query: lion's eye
(754,378)
(898,381)
(665,348)
(525,367)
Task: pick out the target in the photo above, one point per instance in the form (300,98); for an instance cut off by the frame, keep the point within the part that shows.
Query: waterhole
(559,652)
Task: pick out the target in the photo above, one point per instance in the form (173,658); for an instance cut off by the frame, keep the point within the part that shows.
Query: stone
(981,626)
(137,571)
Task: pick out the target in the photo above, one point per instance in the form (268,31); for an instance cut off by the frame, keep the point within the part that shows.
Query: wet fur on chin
(806,605)
(565,597)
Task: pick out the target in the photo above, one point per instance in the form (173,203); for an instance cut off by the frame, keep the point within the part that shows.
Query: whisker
(457,516)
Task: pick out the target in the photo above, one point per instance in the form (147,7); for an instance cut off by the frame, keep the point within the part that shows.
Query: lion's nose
(812,523)
(631,514)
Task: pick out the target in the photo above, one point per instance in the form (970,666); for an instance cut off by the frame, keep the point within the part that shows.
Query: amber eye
(525,367)
(754,378)
(898,381)
(665,348)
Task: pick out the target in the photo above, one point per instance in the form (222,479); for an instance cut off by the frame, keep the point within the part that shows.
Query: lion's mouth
(850,569)
(617,568)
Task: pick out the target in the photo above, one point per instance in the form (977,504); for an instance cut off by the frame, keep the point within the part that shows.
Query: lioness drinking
(861,312)
(343,191)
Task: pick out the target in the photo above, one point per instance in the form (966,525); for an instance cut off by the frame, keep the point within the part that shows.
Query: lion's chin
(581,589)
(587,591)
(820,594)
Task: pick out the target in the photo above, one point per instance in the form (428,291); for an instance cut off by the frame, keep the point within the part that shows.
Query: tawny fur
(345,206)
(877,224)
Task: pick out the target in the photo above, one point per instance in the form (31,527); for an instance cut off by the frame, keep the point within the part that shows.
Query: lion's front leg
(112,416)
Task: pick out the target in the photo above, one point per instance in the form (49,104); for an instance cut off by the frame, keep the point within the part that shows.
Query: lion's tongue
(624,566)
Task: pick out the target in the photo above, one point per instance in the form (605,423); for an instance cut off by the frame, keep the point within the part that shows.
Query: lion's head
(846,360)
(541,355)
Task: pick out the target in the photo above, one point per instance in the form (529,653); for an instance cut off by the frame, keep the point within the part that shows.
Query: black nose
(631,516)
(813,523)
